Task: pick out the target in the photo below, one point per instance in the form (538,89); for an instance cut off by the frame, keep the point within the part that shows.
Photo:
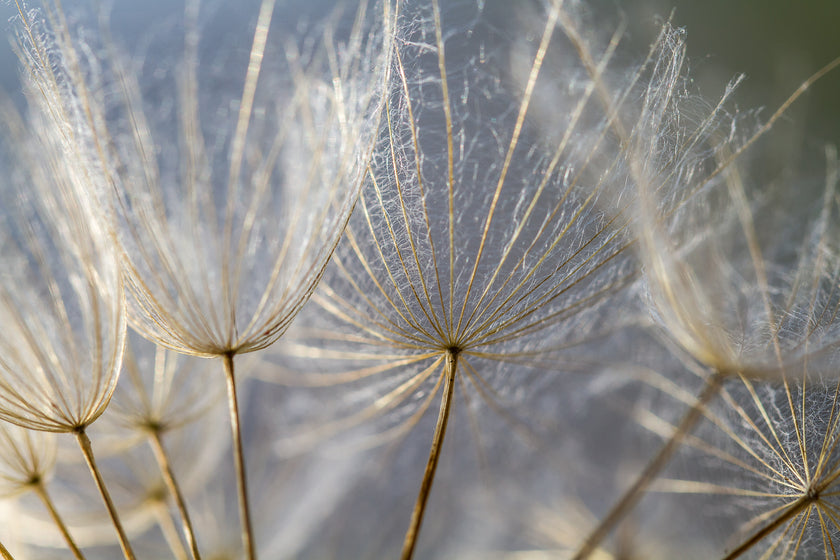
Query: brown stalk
(434,454)
(239,459)
(4,553)
(633,494)
(41,490)
(87,451)
(174,490)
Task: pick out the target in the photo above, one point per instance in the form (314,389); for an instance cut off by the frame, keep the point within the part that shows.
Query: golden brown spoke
(779,449)
(404,212)
(541,323)
(799,425)
(420,186)
(723,165)
(637,489)
(833,472)
(514,141)
(825,532)
(450,159)
(598,252)
(344,315)
(802,525)
(434,454)
(239,460)
(676,486)
(238,141)
(195,158)
(50,372)
(827,481)
(550,295)
(548,221)
(87,451)
(387,344)
(543,355)
(385,261)
(350,237)
(384,403)
(793,509)
(745,218)
(174,490)
(386,320)
(41,490)
(785,538)
(405,426)
(658,426)
(375,344)
(832,178)
(772,120)
(757,520)
(830,512)
(330,379)
(476,314)
(768,472)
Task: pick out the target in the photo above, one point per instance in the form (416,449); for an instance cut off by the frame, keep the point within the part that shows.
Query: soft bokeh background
(776,43)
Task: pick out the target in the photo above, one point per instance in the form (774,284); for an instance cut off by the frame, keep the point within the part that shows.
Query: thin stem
(239,459)
(434,454)
(794,509)
(41,490)
(170,532)
(87,451)
(4,553)
(632,496)
(174,490)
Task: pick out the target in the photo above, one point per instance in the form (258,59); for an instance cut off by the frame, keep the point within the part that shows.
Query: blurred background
(776,44)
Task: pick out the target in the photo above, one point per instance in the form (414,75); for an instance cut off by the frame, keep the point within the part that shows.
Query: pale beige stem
(434,454)
(239,460)
(174,490)
(170,531)
(87,451)
(632,496)
(41,490)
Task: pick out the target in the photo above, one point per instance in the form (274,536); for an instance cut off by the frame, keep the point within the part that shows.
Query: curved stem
(434,454)
(41,490)
(87,451)
(239,459)
(633,494)
(174,490)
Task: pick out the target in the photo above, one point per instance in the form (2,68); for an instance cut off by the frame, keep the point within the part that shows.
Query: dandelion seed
(474,262)
(686,177)
(225,225)
(61,297)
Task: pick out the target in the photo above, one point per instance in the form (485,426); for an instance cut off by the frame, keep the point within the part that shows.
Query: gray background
(776,43)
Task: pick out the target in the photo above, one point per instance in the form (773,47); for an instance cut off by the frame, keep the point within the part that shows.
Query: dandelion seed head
(228,182)
(61,294)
